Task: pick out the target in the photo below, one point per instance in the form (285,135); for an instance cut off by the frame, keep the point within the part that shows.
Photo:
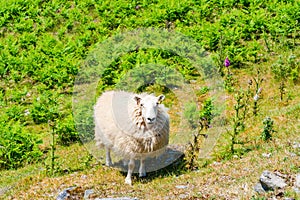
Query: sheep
(134,126)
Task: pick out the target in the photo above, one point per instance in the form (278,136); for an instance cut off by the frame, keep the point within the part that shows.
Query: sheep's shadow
(167,164)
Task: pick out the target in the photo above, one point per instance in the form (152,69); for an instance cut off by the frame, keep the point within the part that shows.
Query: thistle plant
(241,110)
(199,121)
(220,56)
(258,89)
(53,147)
(53,117)
(268,129)
(255,101)
(229,80)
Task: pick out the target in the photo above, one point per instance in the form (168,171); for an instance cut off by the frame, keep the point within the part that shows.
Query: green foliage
(268,129)
(280,70)
(199,118)
(199,121)
(45,108)
(285,69)
(206,112)
(66,132)
(18,147)
(295,68)
(191,113)
(229,82)
(202,91)
(43,43)
(151,66)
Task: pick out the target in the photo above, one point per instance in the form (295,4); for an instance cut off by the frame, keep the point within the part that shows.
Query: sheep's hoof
(108,163)
(128,181)
(142,174)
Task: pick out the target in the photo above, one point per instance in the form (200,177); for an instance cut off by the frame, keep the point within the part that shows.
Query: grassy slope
(75,29)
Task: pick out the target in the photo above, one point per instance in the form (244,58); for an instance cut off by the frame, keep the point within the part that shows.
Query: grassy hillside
(44,44)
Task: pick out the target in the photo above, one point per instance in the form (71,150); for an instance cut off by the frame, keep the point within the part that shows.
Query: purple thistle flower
(227,62)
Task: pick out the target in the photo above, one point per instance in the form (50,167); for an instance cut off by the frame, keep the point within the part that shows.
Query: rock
(292,154)
(65,193)
(271,181)
(215,163)
(259,189)
(84,177)
(297,182)
(297,190)
(296,145)
(183,196)
(87,193)
(181,186)
(266,155)
(71,193)
(280,175)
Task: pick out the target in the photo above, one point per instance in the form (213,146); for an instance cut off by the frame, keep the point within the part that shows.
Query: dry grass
(232,179)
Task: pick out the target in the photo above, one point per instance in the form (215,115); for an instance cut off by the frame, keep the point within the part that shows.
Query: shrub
(268,129)
(192,115)
(17,146)
(45,107)
(65,129)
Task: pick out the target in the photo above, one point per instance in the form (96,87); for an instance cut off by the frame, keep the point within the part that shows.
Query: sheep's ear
(160,98)
(137,99)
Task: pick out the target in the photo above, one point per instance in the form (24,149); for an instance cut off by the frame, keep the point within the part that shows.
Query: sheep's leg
(125,162)
(142,170)
(130,170)
(108,158)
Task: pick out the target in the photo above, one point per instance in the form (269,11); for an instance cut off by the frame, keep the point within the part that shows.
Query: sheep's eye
(142,105)
(157,103)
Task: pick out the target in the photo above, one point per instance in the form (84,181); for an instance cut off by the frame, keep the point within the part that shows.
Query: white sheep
(134,126)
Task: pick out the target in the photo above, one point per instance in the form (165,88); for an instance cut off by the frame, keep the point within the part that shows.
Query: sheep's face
(148,107)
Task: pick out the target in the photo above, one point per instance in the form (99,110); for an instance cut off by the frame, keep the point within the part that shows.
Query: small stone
(84,177)
(271,181)
(297,190)
(87,193)
(277,173)
(297,182)
(183,196)
(259,189)
(292,154)
(181,186)
(215,163)
(296,145)
(26,112)
(266,155)
(288,198)
(137,7)
(65,193)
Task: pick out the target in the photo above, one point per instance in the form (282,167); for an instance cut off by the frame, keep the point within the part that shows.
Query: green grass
(44,44)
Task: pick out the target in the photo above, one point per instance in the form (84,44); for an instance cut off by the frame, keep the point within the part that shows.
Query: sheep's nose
(151,119)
